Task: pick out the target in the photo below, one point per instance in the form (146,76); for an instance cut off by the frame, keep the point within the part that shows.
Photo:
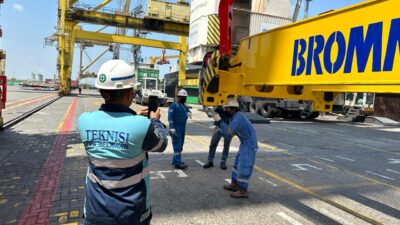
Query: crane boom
(355,49)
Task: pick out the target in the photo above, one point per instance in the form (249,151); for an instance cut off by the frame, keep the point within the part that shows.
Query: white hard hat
(115,74)
(183,93)
(232,102)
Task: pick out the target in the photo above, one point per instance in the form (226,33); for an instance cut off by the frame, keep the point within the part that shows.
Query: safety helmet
(115,74)
(183,93)
(232,102)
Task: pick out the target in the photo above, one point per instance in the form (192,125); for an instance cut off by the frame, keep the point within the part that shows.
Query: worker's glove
(216,117)
(172,132)
(189,115)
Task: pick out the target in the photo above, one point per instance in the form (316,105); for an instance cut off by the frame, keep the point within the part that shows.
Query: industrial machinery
(161,17)
(354,105)
(161,60)
(148,84)
(298,61)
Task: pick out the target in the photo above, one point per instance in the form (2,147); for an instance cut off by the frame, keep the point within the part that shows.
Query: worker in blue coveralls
(216,137)
(246,156)
(178,114)
(117,141)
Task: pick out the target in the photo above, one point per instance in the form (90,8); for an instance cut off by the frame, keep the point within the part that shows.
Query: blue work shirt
(242,127)
(177,116)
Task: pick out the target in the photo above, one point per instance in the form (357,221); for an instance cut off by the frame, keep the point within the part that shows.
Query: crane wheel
(267,111)
(255,107)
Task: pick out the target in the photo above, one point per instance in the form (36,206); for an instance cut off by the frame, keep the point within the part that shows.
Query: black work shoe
(240,194)
(223,165)
(182,166)
(231,187)
(208,165)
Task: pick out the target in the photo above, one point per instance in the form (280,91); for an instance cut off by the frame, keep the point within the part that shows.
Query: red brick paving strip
(37,211)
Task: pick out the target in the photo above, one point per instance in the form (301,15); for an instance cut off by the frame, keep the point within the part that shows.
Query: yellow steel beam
(105,2)
(111,38)
(66,42)
(188,82)
(71,2)
(95,60)
(162,26)
(182,59)
(101,28)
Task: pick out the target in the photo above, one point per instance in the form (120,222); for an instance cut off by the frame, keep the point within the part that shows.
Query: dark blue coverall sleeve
(231,129)
(156,137)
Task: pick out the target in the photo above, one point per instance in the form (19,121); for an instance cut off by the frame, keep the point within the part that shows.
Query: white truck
(149,87)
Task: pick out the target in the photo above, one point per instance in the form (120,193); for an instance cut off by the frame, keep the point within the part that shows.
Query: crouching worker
(246,156)
(116,141)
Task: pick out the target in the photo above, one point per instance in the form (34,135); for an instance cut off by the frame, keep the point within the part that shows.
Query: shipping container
(202,8)
(262,22)
(280,8)
(249,17)
(171,85)
(146,73)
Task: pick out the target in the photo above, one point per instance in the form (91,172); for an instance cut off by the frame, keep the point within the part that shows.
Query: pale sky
(26,23)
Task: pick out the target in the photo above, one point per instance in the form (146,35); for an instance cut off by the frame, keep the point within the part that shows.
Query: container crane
(313,60)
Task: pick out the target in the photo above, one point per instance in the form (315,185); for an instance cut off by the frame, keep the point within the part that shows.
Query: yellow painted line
(27,99)
(59,214)
(278,158)
(97,103)
(354,185)
(373,180)
(294,157)
(199,141)
(28,102)
(263,145)
(323,164)
(320,197)
(75,223)
(74,214)
(357,175)
(64,118)
(268,146)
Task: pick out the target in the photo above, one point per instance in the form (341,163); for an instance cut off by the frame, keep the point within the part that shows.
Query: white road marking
(302,167)
(341,157)
(332,212)
(228,180)
(200,162)
(161,174)
(394,161)
(366,210)
(329,160)
(289,219)
(268,181)
(181,173)
(393,171)
(379,175)
(335,217)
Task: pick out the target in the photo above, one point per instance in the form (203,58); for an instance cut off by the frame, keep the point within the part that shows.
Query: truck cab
(149,87)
